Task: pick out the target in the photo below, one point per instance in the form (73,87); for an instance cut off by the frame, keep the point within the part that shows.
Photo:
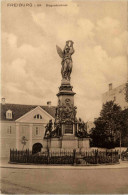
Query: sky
(31,67)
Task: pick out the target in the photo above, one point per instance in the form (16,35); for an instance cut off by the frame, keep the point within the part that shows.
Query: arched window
(38,116)
(9,114)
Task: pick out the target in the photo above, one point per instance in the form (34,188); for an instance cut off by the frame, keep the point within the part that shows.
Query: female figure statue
(66,59)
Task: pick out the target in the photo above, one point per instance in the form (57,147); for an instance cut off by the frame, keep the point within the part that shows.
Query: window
(9,130)
(9,114)
(38,116)
(37,131)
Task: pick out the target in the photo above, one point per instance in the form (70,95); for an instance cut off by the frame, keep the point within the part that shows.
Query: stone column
(77,126)
(30,136)
(73,129)
(17,135)
(62,129)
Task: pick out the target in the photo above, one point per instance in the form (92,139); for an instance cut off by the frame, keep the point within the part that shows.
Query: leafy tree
(109,126)
(124,115)
(126,92)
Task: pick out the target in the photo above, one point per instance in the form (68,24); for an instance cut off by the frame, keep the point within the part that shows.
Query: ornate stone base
(67,143)
(83,144)
(46,143)
(55,143)
(70,144)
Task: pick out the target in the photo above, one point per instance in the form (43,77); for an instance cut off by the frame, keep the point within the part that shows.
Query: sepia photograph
(64,97)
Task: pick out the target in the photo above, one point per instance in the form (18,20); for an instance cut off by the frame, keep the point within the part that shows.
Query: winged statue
(66,59)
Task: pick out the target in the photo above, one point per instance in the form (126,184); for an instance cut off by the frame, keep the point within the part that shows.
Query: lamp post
(120,145)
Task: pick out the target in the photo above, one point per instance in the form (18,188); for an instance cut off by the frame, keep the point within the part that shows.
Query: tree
(124,115)
(109,126)
(126,92)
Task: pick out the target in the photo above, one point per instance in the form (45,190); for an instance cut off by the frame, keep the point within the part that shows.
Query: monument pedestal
(66,143)
(66,118)
(70,143)
(83,144)
(55,143)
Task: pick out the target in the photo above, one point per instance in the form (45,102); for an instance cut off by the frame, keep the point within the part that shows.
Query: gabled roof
(19,110)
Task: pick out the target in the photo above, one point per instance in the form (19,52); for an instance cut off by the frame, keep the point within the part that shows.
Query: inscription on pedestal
(68,129)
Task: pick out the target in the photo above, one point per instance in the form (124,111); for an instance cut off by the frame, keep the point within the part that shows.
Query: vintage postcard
(64,97)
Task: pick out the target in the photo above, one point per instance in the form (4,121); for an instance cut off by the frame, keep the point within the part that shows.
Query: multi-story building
(117,94)
(28,121)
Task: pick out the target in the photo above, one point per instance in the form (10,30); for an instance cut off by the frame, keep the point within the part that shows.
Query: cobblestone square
(64,180)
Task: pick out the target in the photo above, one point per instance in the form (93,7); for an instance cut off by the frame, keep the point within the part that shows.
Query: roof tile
(19,110)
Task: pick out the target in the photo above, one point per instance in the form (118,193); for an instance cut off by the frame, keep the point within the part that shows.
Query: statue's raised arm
(66,59)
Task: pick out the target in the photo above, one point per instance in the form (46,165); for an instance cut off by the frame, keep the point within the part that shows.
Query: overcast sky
(31,66)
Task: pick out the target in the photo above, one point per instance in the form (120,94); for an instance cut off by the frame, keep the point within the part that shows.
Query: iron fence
(64,157)
(42,158)
(98,157)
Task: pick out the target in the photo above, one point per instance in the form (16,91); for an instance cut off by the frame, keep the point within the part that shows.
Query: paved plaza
(32,179)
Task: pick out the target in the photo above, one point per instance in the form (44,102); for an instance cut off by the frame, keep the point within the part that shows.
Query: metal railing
(64,157)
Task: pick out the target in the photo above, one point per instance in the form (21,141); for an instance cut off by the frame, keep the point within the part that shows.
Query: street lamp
(120,144)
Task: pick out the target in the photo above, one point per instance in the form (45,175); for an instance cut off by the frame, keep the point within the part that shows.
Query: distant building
(117,94)
(90,125)
(23,120)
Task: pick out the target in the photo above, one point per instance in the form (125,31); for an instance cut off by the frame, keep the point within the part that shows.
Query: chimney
(49,103)
(3,100)
(110,86)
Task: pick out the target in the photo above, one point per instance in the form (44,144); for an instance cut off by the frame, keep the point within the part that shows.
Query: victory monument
(67,132)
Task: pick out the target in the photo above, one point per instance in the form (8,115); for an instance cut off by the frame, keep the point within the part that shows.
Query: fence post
(112,156)
(48,156)
(86,157)
(117,155)
(106,160)
(28,156)
(95,156)
(13,155)
(74,157)
(18,156)
(10,154)
(97,160)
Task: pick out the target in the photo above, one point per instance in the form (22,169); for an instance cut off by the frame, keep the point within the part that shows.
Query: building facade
(23,121)
(117,95)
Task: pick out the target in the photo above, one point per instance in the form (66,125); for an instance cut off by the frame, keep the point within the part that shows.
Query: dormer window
(9,114)
(38,116)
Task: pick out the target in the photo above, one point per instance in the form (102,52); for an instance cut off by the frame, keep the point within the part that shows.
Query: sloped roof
(19,110)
